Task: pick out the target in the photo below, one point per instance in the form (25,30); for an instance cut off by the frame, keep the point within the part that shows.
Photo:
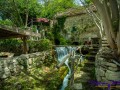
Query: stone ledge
(13,65)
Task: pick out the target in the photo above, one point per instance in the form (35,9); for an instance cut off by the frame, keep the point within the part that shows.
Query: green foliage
(11,45)
(63,41)
(37,79)
(50,36)
(6,22)
(61,22)
(34,28)
(57,29)
(31,6)
(43,44)
(50,8)
(16,10)
(16,45)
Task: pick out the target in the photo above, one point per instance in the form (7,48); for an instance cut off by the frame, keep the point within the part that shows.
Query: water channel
(62,53)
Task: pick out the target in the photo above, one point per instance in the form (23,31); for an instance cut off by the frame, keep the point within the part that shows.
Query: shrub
(42,45)
(6,22)
(11,45)
(63,41)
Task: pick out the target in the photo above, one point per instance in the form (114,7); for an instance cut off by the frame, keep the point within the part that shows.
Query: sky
(78,2)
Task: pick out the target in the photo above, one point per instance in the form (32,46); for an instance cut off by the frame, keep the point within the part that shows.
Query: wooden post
(25,48)
(72,74)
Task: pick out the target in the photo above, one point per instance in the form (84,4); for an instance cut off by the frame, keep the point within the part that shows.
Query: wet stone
(78,86)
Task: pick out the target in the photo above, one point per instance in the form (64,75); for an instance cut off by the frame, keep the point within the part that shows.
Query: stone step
(104,42)
(105,45)
(104,38)
(94,49)
(78,86)
(81,77)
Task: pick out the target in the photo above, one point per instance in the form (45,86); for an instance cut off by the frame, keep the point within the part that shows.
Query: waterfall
(62,52)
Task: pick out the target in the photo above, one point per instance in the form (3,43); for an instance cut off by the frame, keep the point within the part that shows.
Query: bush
(50,36)
(6,22)
(11,45)
(42,45)
(16,46)
(63,41)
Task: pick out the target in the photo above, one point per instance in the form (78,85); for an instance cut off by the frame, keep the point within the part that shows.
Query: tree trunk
(105,17)
(26,21)
(27,13)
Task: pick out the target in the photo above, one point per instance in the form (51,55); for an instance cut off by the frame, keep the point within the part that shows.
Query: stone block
(6,73)
(78,86)
(98,77)
(113,68)
(111,75)
(104,79)
(111,64)
(1,69)
(103,63)
(101,72)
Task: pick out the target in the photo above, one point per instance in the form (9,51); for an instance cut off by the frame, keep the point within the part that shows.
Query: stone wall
(106,66)
(14,65)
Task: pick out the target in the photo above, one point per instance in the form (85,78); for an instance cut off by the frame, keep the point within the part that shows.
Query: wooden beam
(13,36)
(72,74)
(25,47)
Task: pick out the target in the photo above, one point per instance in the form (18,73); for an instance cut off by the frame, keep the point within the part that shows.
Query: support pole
(72,73)
(25,48)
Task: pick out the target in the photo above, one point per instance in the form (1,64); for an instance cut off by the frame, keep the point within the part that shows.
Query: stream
(61,53)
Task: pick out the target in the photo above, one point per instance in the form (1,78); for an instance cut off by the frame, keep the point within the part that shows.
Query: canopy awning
(42,20)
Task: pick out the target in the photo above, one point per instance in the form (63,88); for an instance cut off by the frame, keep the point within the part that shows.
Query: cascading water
(62,52)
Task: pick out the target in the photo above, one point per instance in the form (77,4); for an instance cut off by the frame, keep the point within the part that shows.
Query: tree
(109,22)
(19,11)
(51,7)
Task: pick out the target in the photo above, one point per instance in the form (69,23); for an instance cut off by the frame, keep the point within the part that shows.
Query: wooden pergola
(12,32)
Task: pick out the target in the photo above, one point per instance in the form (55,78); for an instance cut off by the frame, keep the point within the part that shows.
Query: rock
(77,86)
(111,75)
(6,73)
(111,64)
(101,72)
(98,77)
(105,45)
(104,79)
(1,69)
(112,68)
(30,61)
